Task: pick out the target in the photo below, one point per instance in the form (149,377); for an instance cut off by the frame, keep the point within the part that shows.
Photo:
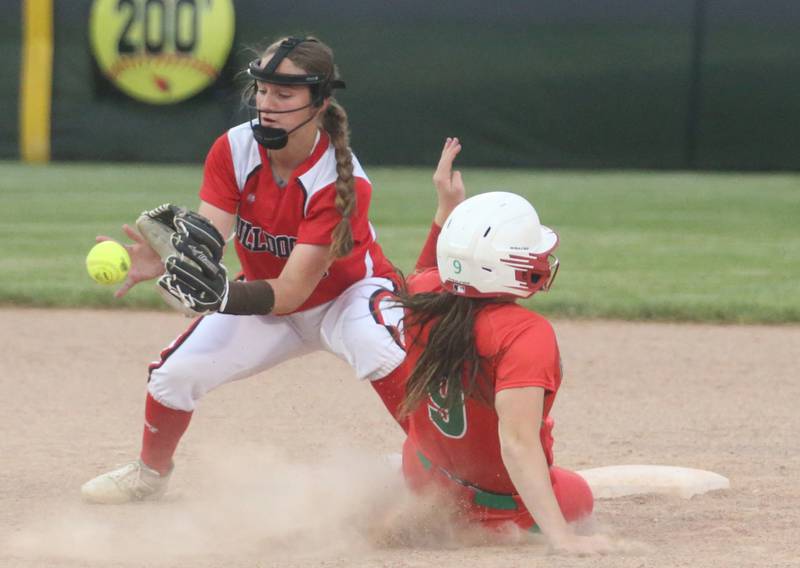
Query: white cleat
(131,482)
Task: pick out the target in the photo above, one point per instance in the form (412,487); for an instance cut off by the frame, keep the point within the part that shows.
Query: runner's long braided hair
(450,358)
(315,57)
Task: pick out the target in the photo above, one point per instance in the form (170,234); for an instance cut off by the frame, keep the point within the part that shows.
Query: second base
(621,480)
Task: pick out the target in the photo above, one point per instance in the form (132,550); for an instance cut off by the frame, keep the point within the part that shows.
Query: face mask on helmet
(493,245)
(321,87)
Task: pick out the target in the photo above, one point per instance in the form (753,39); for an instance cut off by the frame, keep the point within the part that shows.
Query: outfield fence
(672,84)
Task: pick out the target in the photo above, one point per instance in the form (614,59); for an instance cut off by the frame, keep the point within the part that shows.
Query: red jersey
(463,440)
(272,219)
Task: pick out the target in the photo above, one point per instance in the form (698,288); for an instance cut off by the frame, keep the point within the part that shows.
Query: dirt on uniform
(288,468)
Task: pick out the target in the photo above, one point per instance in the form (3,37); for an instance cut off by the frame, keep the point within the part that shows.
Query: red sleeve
(322,216)
(320,220)
(424,281)
(427,257)
(529,358)
(219,180)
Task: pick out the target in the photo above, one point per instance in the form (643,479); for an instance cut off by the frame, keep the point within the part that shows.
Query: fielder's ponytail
(335,123)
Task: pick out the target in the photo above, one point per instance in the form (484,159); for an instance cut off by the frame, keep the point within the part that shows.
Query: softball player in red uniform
(288,187)
(482,372)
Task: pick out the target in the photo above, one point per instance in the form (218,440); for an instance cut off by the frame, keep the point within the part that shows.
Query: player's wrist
(441,215)
(248,298)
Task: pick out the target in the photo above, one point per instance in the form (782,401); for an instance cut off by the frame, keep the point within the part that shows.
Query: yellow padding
(36,84)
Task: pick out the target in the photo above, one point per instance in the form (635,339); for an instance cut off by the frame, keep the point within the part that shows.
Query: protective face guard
(321,88)
(533,273)
(553,263)
(259,73)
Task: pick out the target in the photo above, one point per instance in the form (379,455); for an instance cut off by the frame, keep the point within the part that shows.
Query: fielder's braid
(334,121)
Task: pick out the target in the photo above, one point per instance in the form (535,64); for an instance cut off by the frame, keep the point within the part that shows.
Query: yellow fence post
(36,84)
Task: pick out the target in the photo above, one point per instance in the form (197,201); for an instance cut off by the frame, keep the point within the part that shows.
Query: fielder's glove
(195,282)
(158,226)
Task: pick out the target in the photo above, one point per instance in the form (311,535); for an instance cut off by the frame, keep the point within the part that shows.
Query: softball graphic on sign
(161,51)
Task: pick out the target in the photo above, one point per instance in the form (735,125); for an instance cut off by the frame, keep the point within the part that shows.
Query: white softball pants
(220,348)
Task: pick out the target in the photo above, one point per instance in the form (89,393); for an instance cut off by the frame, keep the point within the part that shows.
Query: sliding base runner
(161,51)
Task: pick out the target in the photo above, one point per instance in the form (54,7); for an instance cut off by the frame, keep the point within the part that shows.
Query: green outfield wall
(666,84)
(10,64)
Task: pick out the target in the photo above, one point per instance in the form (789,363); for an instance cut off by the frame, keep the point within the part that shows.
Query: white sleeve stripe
(369,264)
(244,153)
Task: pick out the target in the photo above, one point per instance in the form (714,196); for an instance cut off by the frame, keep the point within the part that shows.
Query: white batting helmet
(492,244)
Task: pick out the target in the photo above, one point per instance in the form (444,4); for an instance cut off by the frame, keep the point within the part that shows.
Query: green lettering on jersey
(451,421)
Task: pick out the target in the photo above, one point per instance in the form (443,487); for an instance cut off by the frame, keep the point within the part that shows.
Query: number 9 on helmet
(492,245)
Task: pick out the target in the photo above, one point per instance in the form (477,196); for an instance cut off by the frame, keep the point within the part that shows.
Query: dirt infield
(286,469)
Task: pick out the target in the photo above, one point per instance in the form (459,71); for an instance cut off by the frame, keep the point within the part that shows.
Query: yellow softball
(108,262)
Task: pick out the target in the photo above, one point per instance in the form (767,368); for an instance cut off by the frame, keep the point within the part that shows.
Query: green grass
(640,245)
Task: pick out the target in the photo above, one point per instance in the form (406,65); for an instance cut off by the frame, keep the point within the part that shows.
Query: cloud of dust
(251,502)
